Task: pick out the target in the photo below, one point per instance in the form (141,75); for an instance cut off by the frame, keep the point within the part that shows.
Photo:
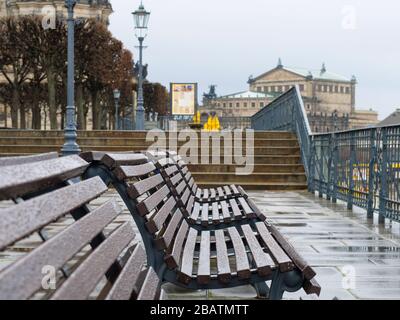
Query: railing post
(335,156)
(383,194)
(335,161)
(329,184)
(351,172)
(311,187)
(321,170)
(371,174)
(331,168)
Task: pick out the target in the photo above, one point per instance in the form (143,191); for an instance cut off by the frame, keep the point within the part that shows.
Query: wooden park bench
(55,245)
(200,258)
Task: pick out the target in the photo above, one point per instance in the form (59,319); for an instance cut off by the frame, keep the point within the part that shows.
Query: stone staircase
(277,161)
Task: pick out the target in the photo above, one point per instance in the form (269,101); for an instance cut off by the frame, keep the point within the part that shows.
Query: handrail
(359,166)
(287,112)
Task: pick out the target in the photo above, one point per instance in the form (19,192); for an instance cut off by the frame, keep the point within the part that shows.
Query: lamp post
(141,19)
(70,146)
(117,95)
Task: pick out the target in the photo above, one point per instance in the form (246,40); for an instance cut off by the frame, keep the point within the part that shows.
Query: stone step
(229,178)
(132,142)
(124,134)
(49,148)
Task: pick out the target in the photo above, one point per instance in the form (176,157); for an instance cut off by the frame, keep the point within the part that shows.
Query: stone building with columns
(96,9)
(329,98)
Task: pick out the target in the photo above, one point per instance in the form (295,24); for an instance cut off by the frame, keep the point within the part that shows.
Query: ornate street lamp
(70,146)
(141,19)
(117,95)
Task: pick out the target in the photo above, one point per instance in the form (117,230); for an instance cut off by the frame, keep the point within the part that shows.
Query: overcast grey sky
(222,42)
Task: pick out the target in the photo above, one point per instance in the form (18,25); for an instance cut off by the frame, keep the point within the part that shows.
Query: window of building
(259,89)
(341,89)
(330,88)
(230,105)
(224,105)
(301,87)
(237,105)
(336,89)
(265,89)
(347,90)
(308,107)
(245,104)
(325,88)
(319,87)
(261,104)
(253,104)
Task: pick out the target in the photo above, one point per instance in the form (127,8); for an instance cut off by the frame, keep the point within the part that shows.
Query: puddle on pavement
(370,249)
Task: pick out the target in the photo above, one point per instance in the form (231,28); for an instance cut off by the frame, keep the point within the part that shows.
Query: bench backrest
(149,198)
(12,161)
(80,251)
(177,180)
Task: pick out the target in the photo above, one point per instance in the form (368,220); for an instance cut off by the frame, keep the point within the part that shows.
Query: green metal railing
(360,167)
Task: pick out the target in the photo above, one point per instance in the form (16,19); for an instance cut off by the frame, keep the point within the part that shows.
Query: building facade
(329,98)
(95,9)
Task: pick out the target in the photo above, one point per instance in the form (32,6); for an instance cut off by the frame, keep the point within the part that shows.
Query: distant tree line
(33,74)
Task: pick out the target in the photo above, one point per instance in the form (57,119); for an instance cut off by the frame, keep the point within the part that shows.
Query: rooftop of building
(317,74)
(393,119)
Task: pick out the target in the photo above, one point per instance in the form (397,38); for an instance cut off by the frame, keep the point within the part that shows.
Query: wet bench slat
(112,160)
(145,185)
(215,212)
(151,286)
(224,269)
(225,212)
(13,161)
(237,214)
(205,214)
(95,266)
(284,262)
(242,263)
(173,260)
(16,181)
(157,221)
(126,284)
(186,266)
(203,274)
(262,260)
(195,213)
(128,172)
(153,201)
(24,218)
(170,231)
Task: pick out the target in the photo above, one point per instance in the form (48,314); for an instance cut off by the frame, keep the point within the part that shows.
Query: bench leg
(289,281)
(277,287)
(262,290)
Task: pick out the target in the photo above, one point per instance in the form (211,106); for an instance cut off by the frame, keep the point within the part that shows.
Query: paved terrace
(331,238)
